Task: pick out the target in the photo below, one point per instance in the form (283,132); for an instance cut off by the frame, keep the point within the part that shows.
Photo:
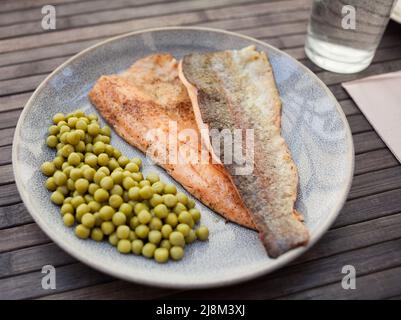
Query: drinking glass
(343,35)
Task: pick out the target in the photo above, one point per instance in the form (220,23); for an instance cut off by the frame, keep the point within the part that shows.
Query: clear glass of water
(343,35)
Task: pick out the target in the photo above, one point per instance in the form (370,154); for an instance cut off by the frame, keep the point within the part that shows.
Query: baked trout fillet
(236,90)
(145,105)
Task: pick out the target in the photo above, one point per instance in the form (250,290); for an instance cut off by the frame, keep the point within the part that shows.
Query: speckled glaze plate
(313,124)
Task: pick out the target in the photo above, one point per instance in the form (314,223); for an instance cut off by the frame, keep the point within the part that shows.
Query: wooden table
(367,234)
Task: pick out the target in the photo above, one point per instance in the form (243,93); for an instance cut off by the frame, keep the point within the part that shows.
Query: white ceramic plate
(313,124)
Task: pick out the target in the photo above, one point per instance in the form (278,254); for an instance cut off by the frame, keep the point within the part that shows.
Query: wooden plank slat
(117,15)
(69,277)
(5,156)
(369,208)
(11,5)
(375,182)
(6,136)
(22,236)
(6,173)
(367,141)
(69,9)
(32,259)
(375,160)
(14,215)
(379,285)
(9,194)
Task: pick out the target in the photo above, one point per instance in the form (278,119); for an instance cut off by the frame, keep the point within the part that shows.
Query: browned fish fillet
(236,90)
(149,95)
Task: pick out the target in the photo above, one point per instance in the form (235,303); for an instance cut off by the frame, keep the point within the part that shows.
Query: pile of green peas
(104,195)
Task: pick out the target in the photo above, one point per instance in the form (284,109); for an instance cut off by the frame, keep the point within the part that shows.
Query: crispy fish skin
(149,95)
(236,90)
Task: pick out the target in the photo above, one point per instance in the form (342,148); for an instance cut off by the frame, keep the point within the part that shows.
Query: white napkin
(379,98)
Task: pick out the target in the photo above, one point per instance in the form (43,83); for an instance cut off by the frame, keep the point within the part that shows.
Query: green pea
(101,195)
(92,188)
(152,177)
(109,150)
(88,220)
(73,138)
(184,229)
(77,201)
(93,129)
(60,178)
(179,207)
(72,121)
(176,253)
(53,130)
(116,153)
(52,141)
(161,211)
(144,217)
(156,200)
(123,232)
(68,220)
(58,161)
(79,113)
(134,222)
(117,190)
(124,246)
(89,173)
(97,234)
(191,237)
(98,147)
(144,183)
(106,213)
(88,198)
(106,131)
(165,244)
(185,217)
(113,240)
(123,161)
(170,189)
(66,150)
(119,218)
(62,123)
(140,206)
(115,201)
(161,255)
(133,193)
(166,231)
(64,129)
(94,206)
(195,214)
(64,190)
(113,164)
(81,124)
(107,227)
(81,185)
(148,250)
(131,167)
(158,187)
(137,246)
(128,183)
(58,117)
(126,209)
(68,200)
(105,170)
(155,236)
(99,175)
(81,210)
(170,200)
(137,161)
(48,168)
(50,184)
(75,174)
(155,224)
(142,231)
(82,232)
(70,184)
(57,197)
(146,192)
(103,159)
(88,147)
(81,133)
(202,233)
(177,239)
(137,176)
(171,219)
(191,203)
(66,208)
(80,147)
(182,198)
(132,236)
(91,160)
